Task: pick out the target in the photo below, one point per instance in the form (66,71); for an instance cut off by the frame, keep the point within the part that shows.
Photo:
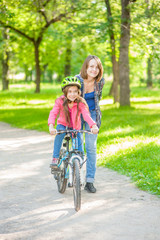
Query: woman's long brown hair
(67,101)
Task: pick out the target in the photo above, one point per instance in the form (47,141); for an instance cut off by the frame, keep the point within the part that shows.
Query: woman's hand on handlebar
(52,130)
(94,129)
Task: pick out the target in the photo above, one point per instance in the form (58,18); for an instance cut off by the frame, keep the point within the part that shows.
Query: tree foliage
(52,38)
(31,19)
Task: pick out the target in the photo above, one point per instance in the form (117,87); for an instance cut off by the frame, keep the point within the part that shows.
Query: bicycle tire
(76,184)
(61,180)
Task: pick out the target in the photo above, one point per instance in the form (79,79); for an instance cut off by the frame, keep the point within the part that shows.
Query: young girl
(69,107)
(91,88)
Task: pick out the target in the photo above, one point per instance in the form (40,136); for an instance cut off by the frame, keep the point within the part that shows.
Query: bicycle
(70,166)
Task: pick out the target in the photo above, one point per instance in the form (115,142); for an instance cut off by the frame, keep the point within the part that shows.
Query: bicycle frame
(71,154)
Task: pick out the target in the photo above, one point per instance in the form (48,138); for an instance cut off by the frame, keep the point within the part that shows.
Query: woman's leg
(91,150)
(80,142)
(58,141)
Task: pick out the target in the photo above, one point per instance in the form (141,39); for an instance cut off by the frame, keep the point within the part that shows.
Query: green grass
(128,141)
(22,108)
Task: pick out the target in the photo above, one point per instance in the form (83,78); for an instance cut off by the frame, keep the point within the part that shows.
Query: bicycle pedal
(70,185)
(55,170)
(56,177)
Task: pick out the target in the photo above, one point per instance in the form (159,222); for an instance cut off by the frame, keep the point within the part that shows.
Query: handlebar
(73,131)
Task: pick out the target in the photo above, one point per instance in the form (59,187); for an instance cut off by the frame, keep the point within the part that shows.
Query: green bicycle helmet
(73,81)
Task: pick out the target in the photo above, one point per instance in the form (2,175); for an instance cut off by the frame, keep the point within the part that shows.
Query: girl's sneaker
(54,163)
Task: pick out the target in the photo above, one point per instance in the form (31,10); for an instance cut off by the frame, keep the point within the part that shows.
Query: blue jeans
(91,150)
(59,139)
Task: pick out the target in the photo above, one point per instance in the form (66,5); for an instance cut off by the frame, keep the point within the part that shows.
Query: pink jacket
(58,110)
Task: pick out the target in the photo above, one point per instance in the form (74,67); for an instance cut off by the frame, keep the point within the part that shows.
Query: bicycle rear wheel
(76,184)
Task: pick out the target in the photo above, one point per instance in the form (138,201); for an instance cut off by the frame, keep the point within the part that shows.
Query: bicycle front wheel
(61,180)
(76,184)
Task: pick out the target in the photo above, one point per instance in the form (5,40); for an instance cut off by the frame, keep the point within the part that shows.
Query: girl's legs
(58,141)
(59,138)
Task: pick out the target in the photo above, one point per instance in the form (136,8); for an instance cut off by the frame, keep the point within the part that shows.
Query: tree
(68,56)
(5,60)
(144,47)
(124,51)
(149,62)
(114,88)
(32,18)
(120,69)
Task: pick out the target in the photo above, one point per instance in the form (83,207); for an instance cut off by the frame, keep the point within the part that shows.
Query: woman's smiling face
(93,69)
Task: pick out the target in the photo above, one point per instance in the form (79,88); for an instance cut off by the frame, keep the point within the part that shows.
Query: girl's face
(72,93)
(93,69)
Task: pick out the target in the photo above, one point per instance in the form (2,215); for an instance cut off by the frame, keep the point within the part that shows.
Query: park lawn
(128,141)
(22,108)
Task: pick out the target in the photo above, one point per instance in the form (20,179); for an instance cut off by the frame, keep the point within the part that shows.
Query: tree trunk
(149,73)
(49,73)
(26,72)
(149,62)
(43,73)
(38,71)
(30,75)
(124,58)
(114,87)
(67,68)
(5,67)
(115,79)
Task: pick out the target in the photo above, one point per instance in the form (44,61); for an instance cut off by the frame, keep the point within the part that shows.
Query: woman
(91,89)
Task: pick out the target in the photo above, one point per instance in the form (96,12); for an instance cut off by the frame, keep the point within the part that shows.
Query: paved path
(32,209)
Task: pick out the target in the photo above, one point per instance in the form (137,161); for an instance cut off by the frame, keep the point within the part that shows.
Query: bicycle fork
(70,169)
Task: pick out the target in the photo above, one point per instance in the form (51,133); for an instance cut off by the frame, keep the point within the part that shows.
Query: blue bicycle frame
(70,155)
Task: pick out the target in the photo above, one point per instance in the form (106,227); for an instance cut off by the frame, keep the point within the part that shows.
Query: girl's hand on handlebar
(52,130)
(94,129)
